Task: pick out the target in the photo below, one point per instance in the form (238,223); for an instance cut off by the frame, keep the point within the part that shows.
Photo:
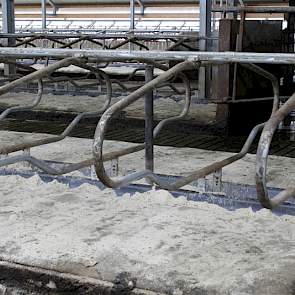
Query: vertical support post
(288,85)
(132,21)
(149,120)
(132,15)
(232,3)
(226,43)
(290,48)
(239,47)
(44,14)
(8,26)
(205,32)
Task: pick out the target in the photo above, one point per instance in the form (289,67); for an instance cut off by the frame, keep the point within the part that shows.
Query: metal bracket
(217,181)
(27,152)
(115,167)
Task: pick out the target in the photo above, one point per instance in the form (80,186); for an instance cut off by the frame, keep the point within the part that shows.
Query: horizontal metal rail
(148,56)
(109,32)
(66,168)
(104,42)
(254,9)
(105,36)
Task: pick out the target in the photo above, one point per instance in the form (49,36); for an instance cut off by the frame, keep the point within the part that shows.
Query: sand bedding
(167,244)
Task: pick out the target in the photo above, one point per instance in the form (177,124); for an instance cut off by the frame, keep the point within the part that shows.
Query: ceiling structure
(115,14)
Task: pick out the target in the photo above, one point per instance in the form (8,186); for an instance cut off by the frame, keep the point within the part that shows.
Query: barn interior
(147,147)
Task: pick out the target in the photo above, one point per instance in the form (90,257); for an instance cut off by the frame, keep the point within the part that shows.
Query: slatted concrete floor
(281,146)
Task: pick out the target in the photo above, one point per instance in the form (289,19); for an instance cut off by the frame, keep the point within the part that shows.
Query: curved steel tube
(273,79)
(184,111)
(67,168)
(208,169)
(102,126)
(262,156)
(157,65)
(219,165)
(103,123)
(38,74)
(35,102)
(72,125)
(194,175)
